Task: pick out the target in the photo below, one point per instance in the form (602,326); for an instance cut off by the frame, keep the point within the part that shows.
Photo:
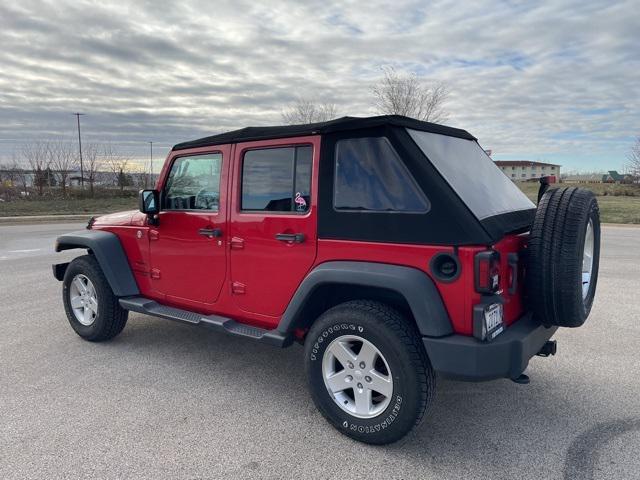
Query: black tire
(110,318)
(399,342)
(556,246)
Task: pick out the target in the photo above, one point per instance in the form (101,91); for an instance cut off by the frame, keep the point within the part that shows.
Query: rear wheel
(564,253)
(91,307)
(368,372)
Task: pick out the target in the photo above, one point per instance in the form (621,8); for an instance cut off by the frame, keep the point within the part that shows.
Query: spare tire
(564,253)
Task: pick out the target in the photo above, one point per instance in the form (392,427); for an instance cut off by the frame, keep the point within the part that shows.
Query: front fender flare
(415,286)
(108,251)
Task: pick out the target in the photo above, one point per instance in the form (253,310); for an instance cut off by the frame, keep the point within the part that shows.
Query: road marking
(25,251)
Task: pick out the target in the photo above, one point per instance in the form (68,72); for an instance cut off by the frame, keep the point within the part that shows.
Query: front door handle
(290,237)
(210,232)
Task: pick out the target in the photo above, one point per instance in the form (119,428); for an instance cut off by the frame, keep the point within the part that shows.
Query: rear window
(371,177)
(472,174)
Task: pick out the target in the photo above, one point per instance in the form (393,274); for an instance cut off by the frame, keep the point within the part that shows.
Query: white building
(523,170)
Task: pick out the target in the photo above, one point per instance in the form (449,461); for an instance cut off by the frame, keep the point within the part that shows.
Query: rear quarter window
(371,177)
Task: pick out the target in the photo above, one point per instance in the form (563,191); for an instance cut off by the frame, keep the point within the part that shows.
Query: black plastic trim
(108,251)
(59,270)
(223,324)
(415,286)
(466,358)
(518,221)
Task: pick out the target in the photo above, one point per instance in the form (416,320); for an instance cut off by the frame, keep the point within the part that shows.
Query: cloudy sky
(552,81)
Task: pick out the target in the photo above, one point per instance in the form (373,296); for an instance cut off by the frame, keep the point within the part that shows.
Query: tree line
(44,165)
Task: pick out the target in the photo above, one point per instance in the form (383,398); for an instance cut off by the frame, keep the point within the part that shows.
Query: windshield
(472,174)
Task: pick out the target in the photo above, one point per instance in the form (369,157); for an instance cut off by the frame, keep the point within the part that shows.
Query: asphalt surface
(165,400)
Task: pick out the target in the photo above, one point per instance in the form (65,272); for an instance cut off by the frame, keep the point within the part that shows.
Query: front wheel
(368,372)
(91,307)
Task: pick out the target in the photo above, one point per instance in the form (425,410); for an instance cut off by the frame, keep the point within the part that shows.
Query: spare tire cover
(564,253)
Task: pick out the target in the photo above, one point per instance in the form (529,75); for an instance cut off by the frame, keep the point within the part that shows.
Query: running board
(224,324)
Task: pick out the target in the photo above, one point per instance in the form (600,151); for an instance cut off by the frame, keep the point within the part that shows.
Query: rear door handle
(210,232)
(290,237)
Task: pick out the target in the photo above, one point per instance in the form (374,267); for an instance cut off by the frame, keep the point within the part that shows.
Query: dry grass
(618,203)
(58,206)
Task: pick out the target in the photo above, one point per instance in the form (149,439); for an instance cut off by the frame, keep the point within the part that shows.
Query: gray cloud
(542,80)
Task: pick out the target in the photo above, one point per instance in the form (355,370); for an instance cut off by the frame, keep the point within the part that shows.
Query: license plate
(493,320)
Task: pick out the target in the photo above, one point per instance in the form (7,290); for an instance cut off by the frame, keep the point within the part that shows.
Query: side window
(277,179)
(370,176)
(194,183)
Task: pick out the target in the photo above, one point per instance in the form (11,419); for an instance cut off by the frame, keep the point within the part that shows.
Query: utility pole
(151,162)
(80,149)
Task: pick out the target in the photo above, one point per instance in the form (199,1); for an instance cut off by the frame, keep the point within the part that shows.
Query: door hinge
(154,235)
(155,273)
(238,288)
(237,243)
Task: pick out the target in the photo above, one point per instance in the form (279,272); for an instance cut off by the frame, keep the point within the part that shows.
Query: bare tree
(117,164)
(404,94)
(7,174)
(634,158)
(305,110)
(62,160)
(35,155)
(18,174)
(92,162)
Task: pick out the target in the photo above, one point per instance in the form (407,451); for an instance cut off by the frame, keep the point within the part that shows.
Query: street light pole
(151,161)
(80,150)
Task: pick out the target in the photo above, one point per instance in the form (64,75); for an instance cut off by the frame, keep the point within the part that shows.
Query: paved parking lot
(165,400)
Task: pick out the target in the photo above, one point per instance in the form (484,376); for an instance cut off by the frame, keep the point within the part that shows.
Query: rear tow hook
(549,348)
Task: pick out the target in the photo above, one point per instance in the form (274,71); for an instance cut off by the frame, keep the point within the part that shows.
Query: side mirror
(149,202)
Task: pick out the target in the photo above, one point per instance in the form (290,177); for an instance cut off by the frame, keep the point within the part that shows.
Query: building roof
(339,124)
(522,163)
(614,175)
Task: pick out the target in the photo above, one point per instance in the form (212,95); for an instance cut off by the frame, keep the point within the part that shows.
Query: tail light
(487,272)
(488,316)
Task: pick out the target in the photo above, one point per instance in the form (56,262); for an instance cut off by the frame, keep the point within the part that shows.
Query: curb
(45,219)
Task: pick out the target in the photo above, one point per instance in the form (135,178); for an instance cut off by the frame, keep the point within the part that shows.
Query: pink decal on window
(301,203)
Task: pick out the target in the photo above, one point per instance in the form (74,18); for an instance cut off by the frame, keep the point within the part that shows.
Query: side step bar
(153,308)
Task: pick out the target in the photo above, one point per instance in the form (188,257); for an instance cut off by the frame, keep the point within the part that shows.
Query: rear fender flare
(107,249)
(417,288)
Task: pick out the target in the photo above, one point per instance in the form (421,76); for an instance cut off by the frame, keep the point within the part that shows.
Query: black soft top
(248,134)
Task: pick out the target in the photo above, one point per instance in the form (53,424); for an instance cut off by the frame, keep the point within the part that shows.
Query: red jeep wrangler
(393,249)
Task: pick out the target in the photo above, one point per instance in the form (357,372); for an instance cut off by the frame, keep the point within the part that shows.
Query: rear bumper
(507,356)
